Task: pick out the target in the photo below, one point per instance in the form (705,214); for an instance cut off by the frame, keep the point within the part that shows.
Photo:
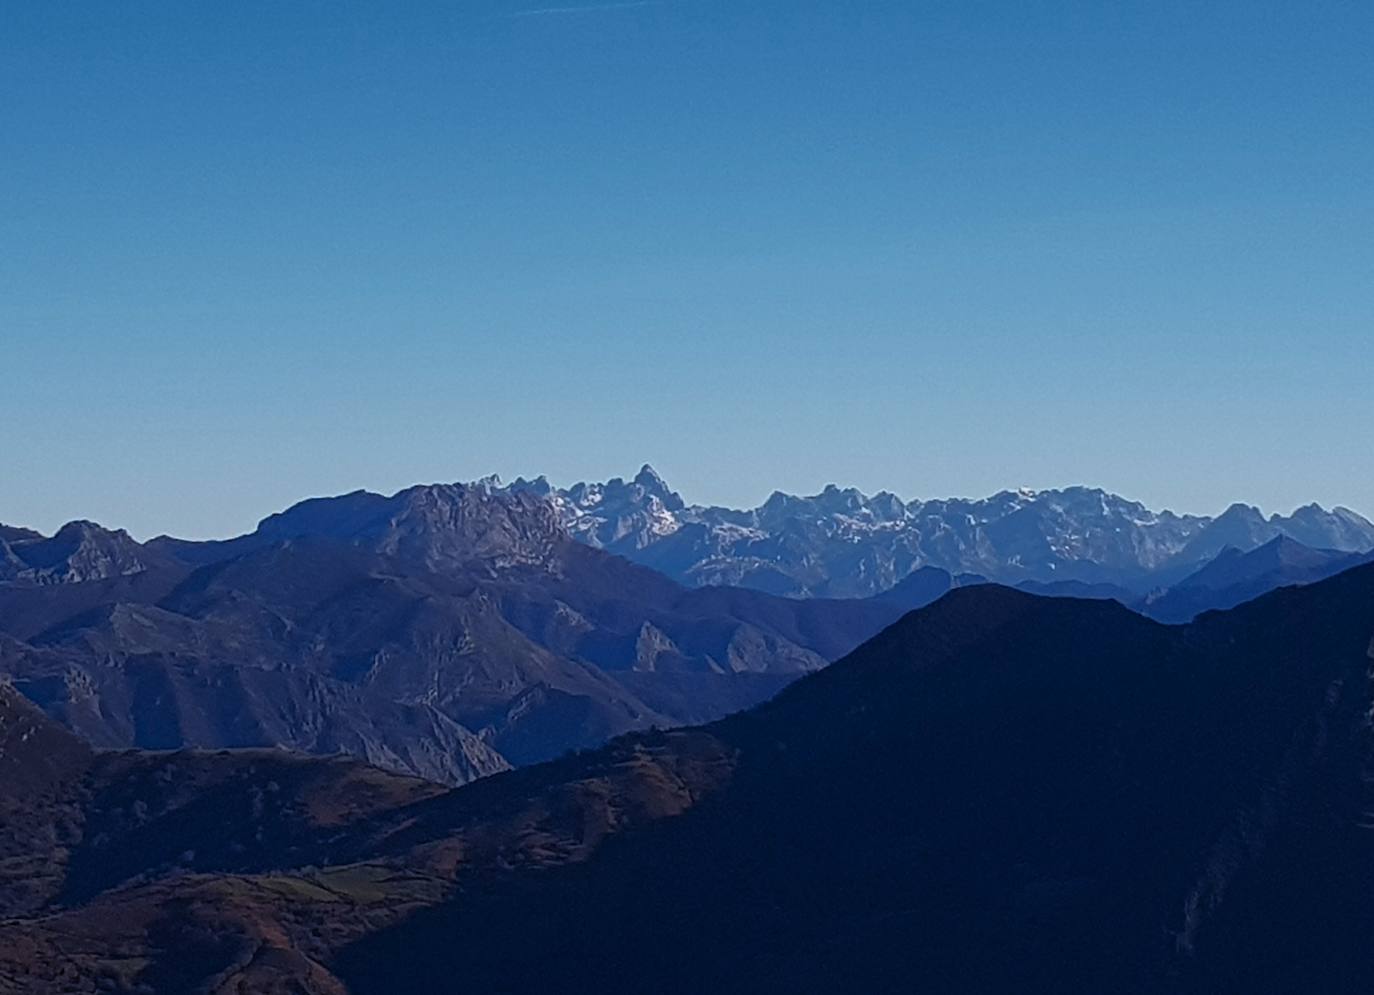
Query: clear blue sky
(251,252)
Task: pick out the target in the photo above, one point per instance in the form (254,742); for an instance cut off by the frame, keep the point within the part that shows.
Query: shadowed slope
(1001,792)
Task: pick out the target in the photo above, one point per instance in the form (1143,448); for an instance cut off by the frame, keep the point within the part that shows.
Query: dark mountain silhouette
(1001,792)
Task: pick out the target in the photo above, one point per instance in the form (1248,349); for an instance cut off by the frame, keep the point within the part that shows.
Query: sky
(258,251)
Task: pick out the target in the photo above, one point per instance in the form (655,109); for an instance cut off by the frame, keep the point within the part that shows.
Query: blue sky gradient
(253,252)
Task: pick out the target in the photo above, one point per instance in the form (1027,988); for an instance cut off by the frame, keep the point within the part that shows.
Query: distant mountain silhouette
(1001,792)
(1232,578)
(1236,576)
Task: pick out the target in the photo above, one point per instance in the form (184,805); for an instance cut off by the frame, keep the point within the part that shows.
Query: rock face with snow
(615,515)
(844,543)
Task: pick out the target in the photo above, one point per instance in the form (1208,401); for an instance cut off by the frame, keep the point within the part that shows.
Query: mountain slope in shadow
(1001,792)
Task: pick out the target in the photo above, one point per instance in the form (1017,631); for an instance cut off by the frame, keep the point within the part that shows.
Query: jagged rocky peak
(620,515)
(887,507)
(448,524)
(645,488)
(645,485)
(834,503)
(539,485)
(655,486)
(435,524)
(780,504)
(80,551)
(837,500)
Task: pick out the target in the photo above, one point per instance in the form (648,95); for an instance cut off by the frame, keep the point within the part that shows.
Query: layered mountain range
(1001,792)
(843,543)
(447,631)
(453,631)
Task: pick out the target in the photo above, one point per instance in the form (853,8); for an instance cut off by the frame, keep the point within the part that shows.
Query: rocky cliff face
(439,526)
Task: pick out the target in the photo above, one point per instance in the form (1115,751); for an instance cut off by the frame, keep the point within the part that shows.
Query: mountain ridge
(839,542)
(842,542)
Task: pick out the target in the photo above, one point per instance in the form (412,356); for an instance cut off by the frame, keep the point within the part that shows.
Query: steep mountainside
(1000,793)
(842,543)
(447,631)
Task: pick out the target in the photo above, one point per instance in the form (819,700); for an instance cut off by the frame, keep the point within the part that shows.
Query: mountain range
(453,631)
(1000,792)
(447,631)
(843,543)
